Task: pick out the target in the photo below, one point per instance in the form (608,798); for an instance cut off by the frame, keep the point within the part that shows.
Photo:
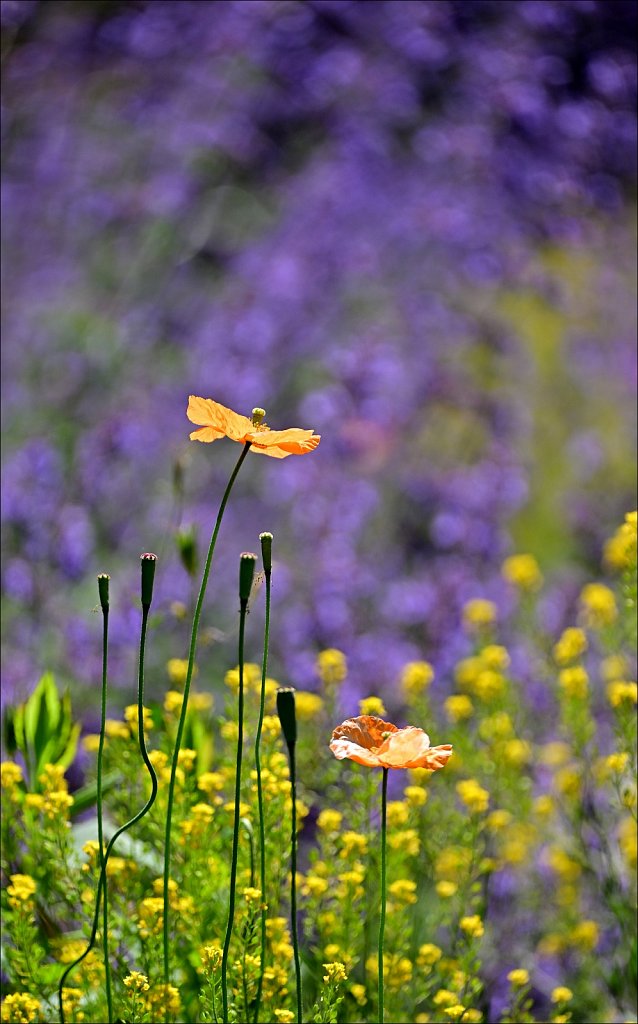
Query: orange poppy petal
(206,434)
(346,748)
(438,757)
(292,435)
(206,412)
(404,747)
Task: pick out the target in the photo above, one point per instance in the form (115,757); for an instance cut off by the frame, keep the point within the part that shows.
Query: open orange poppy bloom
(216,421)
(371,741)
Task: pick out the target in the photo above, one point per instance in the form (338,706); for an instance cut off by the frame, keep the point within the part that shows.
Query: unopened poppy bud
(258,416)
(286,712)
(103,590)
(148,560)
(187,546)
(266,551)
(246,572)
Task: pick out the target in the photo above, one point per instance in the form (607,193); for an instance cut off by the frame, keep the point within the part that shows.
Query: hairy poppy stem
(182,717)
(233,865)
(103,586)
(266,547)
(293,878)
(101,886)
(384,808)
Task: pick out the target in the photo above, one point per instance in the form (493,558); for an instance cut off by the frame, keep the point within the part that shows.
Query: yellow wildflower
(415,795)
(372,706)
(475,798)
(211,956)
(415,678)
(173,701)
(571,645)
(598,605)
(91,743)
(284,1016)
(454,1012)
(353,842)
(489,684)
(518,977)
(406,840)
(403,890)
(478,614)
(496,727)
(628,841)
(574,681)
(498,820)
(330,820)
(446,889)
(177,669)
(620,550)
(398,813)
(621,692)
(136,982)
(568,781)
(331,666)
(561,994)
(585,935)
(522,571)
(21,890)
(335,973)
(554,754)
(613,667)
(516,752)
(358,993)
(472,926)
(458,707)
(21,1008)
(495,656)
(307,705)
(428,955)
(444,998)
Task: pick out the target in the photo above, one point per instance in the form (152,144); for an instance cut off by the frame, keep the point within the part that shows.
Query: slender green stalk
(233,864)
(293,877)
(129,824)
(384,806)
(260,800)
(100,819)
(182,717)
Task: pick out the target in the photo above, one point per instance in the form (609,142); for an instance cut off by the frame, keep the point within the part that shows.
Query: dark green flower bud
(246,572)
(148,560)
(286,712)
(103,590)
(266,551)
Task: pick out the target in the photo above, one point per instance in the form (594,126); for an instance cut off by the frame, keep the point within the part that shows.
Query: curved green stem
(233,864)
(182,717)
(293,878)
(101,886)
(260,801)
(100,819)
(384,805)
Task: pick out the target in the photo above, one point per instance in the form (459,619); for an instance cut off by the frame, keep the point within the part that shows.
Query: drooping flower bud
(103,590)
(148,561)
(246,572)
(187,546)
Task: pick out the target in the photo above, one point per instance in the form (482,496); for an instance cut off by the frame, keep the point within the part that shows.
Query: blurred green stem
(260,801)
(384,806)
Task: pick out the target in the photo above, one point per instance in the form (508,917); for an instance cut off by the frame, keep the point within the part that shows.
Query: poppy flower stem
(266,543)
(293,878)
(384,814)
(148,566)
(103,587)
(182,717)
(243,609)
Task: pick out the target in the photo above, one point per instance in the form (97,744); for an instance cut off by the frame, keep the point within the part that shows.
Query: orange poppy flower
(216,421)
(371,741)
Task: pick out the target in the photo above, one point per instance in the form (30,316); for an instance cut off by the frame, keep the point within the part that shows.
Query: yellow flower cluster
(10,775)
(211,956)
(163,999)
(519,977)
(522,571)
(571,646)
(622,693)
(372,706)
(483,673)
(335,973)
(131,717)
(329,820)
(284,1016)
(415,679)
(458,707)
(397,970)
(21,890)
(574,682)
(561,994)
(472,926)
(136,982)
(479,615)
(20,1008)
(428,955)
(473,796)
(597,606)
(403,891)
(332,667)
(620,550)
(307,706)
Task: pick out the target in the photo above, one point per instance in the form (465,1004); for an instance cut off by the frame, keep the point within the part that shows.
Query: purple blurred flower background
(407,225)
